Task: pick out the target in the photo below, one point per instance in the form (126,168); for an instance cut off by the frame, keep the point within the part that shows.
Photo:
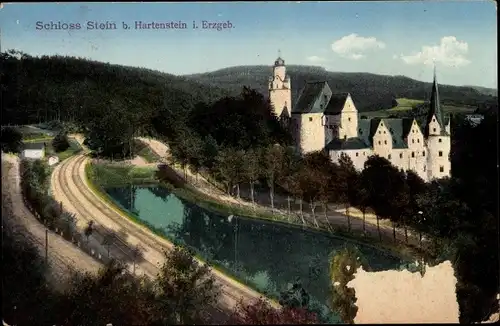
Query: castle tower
(437,133)
(280,92)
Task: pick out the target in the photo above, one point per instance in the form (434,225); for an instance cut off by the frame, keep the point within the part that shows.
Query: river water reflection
(267,256)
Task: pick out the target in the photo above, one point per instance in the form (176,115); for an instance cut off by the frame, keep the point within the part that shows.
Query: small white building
(34,151)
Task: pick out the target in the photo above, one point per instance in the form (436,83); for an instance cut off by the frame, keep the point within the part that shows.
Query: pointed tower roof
(279,61)
(435,107)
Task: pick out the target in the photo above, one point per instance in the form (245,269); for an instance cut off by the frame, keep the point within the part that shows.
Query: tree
(273,161)
(311,181)
(343,266)
(261,312)
(226,168)
(252,170)
(11,140)
(108,240)
(416,188)
(359,197)
(346,181)
(376,178)
(137,253)
(110,297)
(89,229)
(184,286)
(60,143)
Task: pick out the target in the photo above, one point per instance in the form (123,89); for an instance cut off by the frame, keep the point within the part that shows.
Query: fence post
(46,246)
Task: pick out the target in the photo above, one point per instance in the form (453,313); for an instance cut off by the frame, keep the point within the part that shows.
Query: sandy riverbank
(405,297)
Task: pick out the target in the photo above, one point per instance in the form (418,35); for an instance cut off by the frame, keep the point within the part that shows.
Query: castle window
(423,153)
(441,168)
(433,120)
(433,129)
(348,119)
(424,168)
(379,142)
(413,141)
(384,131)
(440,140)
(412,154)
(379,132)
(385,142)
(389,156)
(364,153)
(440,153)
(357,154)
(310,119)
(401,155)
(418,140)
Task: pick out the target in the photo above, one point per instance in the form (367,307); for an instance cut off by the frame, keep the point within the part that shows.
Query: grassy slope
(370,92)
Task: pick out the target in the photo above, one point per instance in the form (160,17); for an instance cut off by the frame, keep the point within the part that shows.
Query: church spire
(435,106)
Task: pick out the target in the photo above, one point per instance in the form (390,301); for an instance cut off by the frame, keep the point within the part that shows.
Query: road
(262,200)
(62,255)
(69,186)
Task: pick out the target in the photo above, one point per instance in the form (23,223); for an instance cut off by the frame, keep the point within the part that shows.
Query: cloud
(316,59)
(355,47)
(450,52)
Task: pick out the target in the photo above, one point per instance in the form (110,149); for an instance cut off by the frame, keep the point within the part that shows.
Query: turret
(437,133)
(280,94)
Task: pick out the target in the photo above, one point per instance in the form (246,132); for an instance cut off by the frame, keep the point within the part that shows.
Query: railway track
(80,200)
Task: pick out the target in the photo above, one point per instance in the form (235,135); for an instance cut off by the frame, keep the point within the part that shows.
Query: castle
(321,120)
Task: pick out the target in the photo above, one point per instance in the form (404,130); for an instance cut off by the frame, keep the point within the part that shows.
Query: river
(265,255)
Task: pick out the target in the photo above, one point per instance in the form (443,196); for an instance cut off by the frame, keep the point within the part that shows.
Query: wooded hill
(45,88)
(370,92)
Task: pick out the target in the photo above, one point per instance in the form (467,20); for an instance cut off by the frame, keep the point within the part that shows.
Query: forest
(237,140)
(370,92)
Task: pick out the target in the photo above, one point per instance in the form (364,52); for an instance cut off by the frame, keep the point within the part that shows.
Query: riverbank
(96,186)
(116,175)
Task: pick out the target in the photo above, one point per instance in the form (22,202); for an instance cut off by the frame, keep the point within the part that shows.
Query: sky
(390,38)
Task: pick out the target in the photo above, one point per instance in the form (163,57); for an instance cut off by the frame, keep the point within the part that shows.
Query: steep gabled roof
(399,129)
(349,144)
(308,96)
(336,103)
(435,108)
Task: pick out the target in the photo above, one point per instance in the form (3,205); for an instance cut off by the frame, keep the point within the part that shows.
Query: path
(62,255)
(263,204)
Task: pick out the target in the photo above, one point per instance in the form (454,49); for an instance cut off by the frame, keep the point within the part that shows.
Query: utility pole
(46,246)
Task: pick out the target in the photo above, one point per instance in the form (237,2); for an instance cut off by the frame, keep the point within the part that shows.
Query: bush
(11,140)
(60,143)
